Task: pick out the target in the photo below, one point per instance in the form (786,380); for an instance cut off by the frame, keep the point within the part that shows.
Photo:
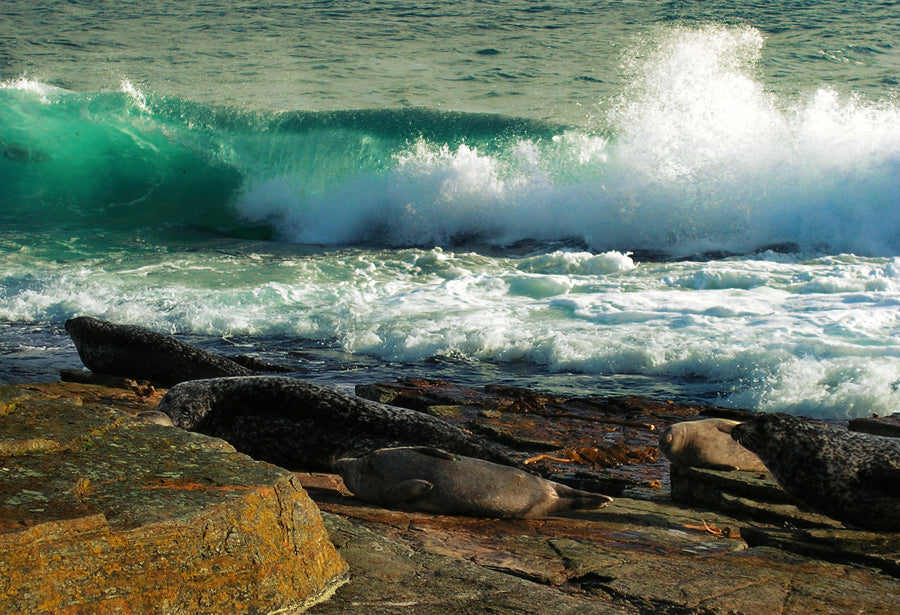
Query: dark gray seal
(433,480)
(300,425)
(707,444)
(851,477)
(136,352)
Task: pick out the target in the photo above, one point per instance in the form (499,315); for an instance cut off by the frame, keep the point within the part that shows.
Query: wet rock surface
(675,541)
(883,426)
(103,513)
(635,556)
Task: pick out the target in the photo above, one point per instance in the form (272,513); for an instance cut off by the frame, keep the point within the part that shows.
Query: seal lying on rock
(433,480)
(300,425)
(851,477)
(136,352)
(707,444)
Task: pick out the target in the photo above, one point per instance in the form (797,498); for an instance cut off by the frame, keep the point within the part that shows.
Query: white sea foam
(702,157)
(818,336)
(136,95)
(29,85)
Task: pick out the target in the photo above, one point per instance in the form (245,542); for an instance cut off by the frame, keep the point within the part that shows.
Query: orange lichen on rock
(137,518)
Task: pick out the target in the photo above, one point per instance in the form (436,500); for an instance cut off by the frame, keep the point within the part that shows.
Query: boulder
(101,512)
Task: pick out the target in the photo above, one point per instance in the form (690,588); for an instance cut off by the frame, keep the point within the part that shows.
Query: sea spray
(696,156)
(705,233)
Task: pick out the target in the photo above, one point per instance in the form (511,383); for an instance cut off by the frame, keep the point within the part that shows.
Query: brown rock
(635,556)
(100,512)
(732,542)
(880,426)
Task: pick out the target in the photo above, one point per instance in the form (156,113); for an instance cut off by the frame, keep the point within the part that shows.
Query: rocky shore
(104,513)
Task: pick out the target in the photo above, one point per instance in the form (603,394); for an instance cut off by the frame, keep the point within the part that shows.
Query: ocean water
(689,200)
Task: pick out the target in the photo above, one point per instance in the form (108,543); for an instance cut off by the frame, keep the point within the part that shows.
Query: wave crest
(695,156)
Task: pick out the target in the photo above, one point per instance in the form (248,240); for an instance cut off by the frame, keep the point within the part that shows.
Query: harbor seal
(135,352)
(155,417)
(301,425)
(707,444)
(433,480)
(851,477)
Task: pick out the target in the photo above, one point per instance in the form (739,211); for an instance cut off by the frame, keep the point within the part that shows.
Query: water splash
(697,155)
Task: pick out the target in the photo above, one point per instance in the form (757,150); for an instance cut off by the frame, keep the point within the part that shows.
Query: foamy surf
(698,156)
(816,336)
(700,235)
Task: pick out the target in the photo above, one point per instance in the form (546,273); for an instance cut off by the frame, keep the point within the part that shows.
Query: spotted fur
(135,352)
(851,477)
(301,425)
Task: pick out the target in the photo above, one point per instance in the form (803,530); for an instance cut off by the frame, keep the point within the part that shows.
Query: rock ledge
(100,512)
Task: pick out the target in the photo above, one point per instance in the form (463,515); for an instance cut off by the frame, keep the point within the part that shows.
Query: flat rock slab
(390,576)
(633,557)
(100,512)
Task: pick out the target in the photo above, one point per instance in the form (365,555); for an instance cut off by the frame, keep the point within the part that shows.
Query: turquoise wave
(671,172)
(98,160)
(120,161)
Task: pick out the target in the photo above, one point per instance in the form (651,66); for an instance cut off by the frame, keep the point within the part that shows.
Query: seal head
(849,476)
(433,480)
(135,352)
(707,444)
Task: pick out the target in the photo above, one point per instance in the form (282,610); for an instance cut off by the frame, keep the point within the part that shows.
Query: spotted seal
(707,444)
(302,425)
(851,477)
(135,352)
(433,480)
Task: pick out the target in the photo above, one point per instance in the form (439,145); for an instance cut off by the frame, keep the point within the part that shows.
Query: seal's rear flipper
(575,499)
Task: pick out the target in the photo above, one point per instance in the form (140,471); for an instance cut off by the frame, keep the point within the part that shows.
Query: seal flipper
(575,499)
(408,489)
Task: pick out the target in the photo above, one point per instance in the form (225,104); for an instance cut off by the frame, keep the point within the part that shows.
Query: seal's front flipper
(883,479)
(409,489)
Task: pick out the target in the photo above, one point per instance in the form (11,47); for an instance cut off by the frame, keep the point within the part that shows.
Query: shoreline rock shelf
(674,541)
(102,513)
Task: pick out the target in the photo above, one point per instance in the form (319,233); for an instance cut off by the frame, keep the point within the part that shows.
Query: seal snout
(747,436)
(74,326)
